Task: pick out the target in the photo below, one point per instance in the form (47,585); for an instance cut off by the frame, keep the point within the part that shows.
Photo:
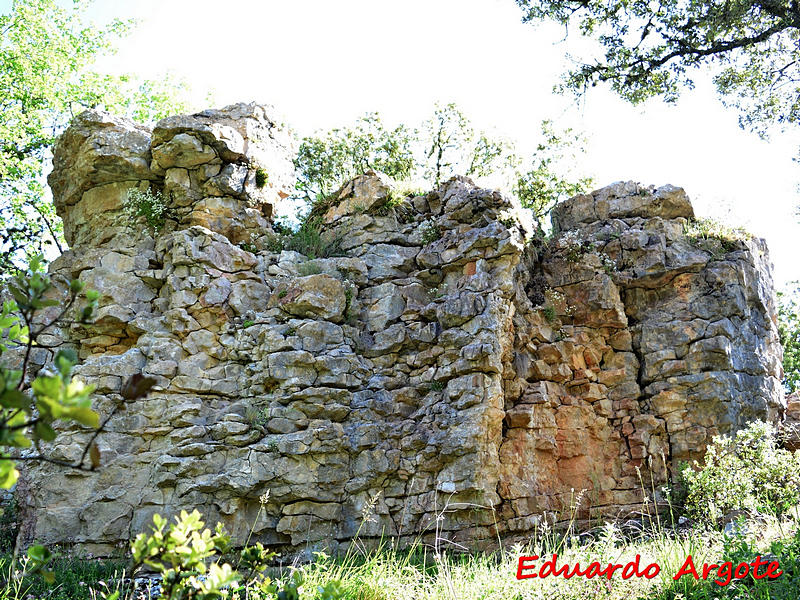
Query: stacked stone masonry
(486,376)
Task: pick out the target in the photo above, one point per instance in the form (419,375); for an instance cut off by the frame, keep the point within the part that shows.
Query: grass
(309,268)
(435,571)
(398,203)
(432,573)
(75,577)
(709,234)
(309,239)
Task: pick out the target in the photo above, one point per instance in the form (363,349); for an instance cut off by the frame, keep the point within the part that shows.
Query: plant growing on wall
(148,205)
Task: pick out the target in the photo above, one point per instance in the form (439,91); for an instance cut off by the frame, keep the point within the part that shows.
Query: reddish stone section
(429,361)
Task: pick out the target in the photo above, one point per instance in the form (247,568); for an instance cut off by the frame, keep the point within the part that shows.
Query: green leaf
(8,474)
(83,415)
(39,554)
(65,360)
(15,399)
(44,432)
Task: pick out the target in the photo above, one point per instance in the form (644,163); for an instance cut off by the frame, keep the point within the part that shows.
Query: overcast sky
(324,63)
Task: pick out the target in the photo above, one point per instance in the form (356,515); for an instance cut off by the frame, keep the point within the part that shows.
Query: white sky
(323,63)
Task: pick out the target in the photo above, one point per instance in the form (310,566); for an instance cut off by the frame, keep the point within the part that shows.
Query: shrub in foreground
(748,472)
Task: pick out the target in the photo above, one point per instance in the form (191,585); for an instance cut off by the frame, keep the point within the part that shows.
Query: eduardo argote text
(722,574)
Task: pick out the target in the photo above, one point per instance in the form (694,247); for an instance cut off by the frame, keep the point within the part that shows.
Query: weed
(309,268)
(149,205)
(430,232)
(262,178)
(549,313)
(257,417)
(437,291)
(247,323)
(398,204)
(283,293)
(436,386)
(248,247)
(747,472)
(9,524)
(310,241)
(275,243)
(703,233)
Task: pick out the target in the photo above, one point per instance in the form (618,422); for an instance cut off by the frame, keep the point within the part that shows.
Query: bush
(150,206)
(308,240)
(789,330)
(189,560)
(748,472)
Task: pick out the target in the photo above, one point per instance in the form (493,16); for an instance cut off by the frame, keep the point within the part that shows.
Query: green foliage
(189,559)
(397,203)
(149,205)
(654,50)
(747,472)
(257,417)
(714,236)
(430,232)
(789,330)
(786,551)
(181,553)
(248,247)
(9,524)
(549,179)
(549,313)
(422,572)
(72,575)
(453,147)
(262,178)
(309,268)
(247,323)
(446,144)
(34,409)
(309,239)
(46,55)
(29,410)
(325,162)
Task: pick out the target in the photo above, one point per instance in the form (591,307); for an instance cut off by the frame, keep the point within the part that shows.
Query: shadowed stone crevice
(480,369)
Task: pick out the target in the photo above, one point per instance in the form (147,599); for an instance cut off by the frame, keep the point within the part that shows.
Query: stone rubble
(486,376)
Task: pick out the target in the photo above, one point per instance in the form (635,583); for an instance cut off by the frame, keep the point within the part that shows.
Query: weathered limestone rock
(362,194)
(791,426)
(483,368)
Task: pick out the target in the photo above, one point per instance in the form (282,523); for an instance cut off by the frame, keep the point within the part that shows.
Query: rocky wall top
(439,356)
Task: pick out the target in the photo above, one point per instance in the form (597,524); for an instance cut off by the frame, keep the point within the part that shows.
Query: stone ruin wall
(412,374)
